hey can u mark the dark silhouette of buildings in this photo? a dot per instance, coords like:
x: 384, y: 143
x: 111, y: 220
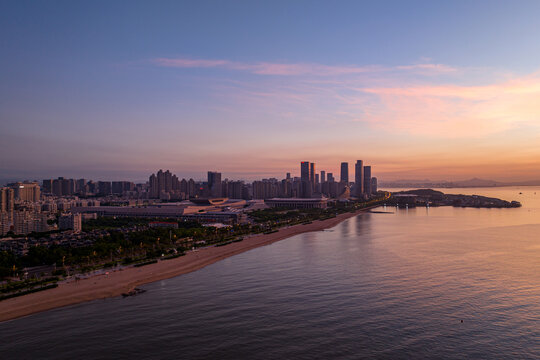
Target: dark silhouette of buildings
x: 214, y: 184
x: 367, y: 180
x: 344, y: 173
x: 359, y: 178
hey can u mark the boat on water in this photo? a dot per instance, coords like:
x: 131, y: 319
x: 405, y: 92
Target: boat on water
x: 134, y: 292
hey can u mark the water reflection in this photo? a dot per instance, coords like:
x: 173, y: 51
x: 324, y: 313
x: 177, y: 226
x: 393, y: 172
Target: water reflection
x: 377, y: 286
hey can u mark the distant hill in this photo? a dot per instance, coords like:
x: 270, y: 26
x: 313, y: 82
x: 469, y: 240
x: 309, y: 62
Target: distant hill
x: 524, y: 183
x: 475, y: 182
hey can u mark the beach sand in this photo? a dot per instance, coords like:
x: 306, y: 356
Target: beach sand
x: 121, y: 281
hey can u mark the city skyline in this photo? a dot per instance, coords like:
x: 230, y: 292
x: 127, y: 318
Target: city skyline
x: 450, y: 94
x: 270, y: 179
x: 200, y: 176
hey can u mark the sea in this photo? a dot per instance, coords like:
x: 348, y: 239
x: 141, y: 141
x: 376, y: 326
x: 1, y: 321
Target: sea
x: 438, y: 283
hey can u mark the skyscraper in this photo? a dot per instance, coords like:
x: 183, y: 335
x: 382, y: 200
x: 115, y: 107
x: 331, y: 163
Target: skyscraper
x: 304, y: 171
x: 214, y: 183
x: 306, y: 184
x: 323, y: 176
x: 367, y: 180
x: 153, y: 187
x: 373, y: 185
x: 359, y: 178
x: 191, y: 187
x: 345, y: 172
x: 312, y: 173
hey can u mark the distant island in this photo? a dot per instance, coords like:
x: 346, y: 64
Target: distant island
x: 475, y: 182
x: 429, y: 197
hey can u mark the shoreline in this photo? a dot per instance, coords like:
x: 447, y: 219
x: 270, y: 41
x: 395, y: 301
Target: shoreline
x: 126, y: 279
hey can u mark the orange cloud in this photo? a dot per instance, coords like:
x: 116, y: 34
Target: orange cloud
x: 456, y: 111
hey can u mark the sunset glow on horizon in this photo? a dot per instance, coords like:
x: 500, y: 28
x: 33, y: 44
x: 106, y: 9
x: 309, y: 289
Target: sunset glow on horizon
x: 201, y: 86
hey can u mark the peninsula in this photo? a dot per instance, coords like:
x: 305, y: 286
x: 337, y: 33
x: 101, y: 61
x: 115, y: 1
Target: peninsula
x: 429, y: 197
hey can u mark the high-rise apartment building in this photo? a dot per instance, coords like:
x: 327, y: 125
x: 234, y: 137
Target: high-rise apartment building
x: 162, y: 183
x: 61, y: 186
x: 266, y: 189
x: 7, y: 201
x: 5, y: 223
x: 119, y: 187
x: 192, y: 187
x: 105, y: 187
x: 27, y: 191
x: 47, y: 186
x: 80, y: 186
x: 345, y: 172
x: 23, y: 222
x: 68, y: 186
x: 70, y: 222
x: 57, y: 186
x: 359, y: 178
x: 236, y: 189
x: 153, y: 189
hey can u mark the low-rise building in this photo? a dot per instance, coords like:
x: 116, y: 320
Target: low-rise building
x: 163, y: 224
x: 298, y: 203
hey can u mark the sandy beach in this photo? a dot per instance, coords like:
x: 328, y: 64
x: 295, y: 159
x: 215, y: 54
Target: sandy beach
x: 124, y: 280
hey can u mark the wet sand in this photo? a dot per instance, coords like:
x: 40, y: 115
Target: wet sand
x: 121, y: 281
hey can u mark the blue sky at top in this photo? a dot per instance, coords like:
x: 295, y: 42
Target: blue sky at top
x: 81, y: 91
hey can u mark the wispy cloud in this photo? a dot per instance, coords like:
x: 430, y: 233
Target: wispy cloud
x: 423, y: 99
x: 294, y: 69
x: 441, y: 68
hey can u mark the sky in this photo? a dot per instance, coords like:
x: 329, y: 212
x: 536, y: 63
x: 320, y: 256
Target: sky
x: 441, y: 90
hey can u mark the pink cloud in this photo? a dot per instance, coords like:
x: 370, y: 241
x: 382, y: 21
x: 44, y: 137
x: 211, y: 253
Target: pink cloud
x: 441, y: 68
x: 456, y: 111
x: 397, y: 99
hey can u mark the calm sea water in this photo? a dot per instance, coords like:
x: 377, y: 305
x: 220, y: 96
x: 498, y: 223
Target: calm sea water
x: 376, y: 286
